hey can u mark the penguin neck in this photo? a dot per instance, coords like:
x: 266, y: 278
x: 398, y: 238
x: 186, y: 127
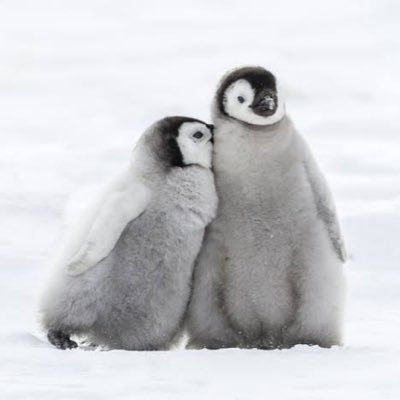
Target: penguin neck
x: 259, y: 138
x: 244, y: 152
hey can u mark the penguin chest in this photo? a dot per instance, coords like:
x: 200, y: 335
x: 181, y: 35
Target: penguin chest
x: 260, y: 225
x: 152, y: 266
x: 256, y: 276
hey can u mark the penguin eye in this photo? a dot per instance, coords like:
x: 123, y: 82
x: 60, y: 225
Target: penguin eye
x: 198, y: 135
x: 241, y: 99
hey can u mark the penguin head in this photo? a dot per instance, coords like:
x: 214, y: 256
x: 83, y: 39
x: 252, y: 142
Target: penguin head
x: 250, y: 95
x: 182, y: 141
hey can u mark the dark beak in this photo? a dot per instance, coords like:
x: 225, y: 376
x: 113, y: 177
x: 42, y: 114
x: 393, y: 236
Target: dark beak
x: 211, y: 128
x: 265, y: 103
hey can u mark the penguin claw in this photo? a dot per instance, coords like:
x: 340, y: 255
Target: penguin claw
x: 61, y: 340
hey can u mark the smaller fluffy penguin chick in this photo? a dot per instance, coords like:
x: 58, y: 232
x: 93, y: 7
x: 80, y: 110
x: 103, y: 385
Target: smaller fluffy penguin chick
x: 270, y: 271
x: 125, y: 276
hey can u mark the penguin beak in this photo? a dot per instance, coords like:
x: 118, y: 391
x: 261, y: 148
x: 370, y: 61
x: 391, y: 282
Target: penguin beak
x: 265, y: 103
x: 211, y: 128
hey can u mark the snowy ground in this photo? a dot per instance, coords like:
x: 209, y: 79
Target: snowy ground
x: 81, y: 79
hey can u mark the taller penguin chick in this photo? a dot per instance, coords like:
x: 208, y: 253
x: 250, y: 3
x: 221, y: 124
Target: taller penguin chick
x: 270, y: 271
x: 125, y: 282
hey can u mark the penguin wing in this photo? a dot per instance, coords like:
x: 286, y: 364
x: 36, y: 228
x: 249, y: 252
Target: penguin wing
x: 123, y: 200
x: 325, y: 206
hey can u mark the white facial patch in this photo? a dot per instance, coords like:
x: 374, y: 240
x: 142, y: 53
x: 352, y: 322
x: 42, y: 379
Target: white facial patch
x: 194, y: 143
x: 238, y: 98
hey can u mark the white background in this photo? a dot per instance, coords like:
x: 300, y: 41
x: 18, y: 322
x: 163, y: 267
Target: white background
x: 79, y: 82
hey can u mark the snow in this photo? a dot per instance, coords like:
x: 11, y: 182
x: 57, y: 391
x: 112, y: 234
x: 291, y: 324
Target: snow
x: 80, y: 80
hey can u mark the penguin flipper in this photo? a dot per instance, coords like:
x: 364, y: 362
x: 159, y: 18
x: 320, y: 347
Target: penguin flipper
x: 123, y: 202
x: 325, y: 206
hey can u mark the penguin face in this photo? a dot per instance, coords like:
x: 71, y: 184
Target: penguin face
x: 251, y: 95
x: 185, y: 141
x: 195, y: 143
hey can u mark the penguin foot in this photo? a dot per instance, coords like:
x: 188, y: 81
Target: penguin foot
x: 60, y: 340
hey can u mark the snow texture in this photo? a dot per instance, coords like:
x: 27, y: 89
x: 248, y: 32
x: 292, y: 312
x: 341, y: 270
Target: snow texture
x: 79, y: 82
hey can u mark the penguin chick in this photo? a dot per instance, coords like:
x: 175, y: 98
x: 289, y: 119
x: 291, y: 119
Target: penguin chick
x: 125, y: 282
x: 269, y: 273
